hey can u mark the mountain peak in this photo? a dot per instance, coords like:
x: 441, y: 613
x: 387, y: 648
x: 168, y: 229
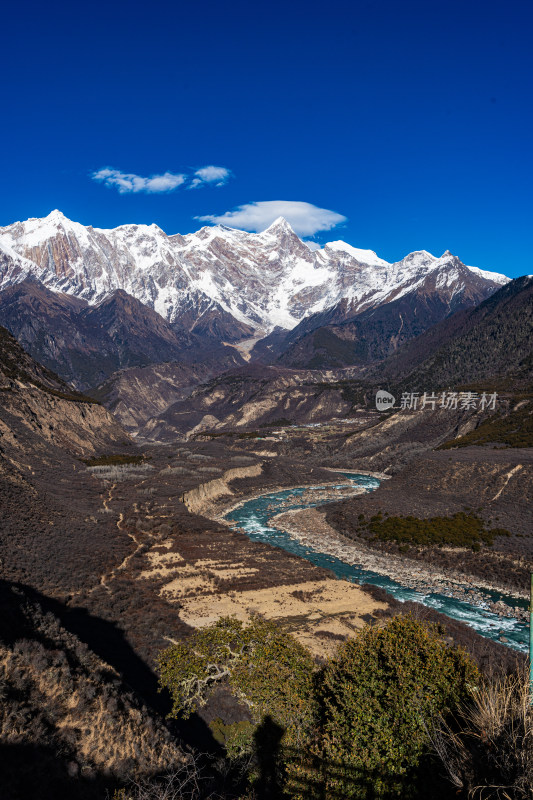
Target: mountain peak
x: 279, y: 225
x: 418, y: 258
x: 56, y: 216
x: 363, y: 256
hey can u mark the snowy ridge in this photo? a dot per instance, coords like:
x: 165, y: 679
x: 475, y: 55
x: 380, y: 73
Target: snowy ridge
x: 263, y: 279
x: 364, y: 256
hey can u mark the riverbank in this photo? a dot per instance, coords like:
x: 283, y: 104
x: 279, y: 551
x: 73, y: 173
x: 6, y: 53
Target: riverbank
x: 492, y: 610
x: 309, y: 527
x: 225, y: 508
x: 313, y: 531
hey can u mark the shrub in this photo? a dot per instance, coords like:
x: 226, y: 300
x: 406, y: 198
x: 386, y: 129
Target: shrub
x: 120, y: 472
x: 266, y: 669
x: 356, y: 728
x: 375, y: 698
x: 264, y: 666
x: 190, y: 781
x: 459, y: 530
x: 178, y: 470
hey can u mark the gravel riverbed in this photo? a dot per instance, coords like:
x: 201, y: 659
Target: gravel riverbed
x: 309, y: 527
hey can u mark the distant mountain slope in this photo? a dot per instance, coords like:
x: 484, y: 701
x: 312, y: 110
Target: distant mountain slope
x: 87, y: 344
x: 136, y: 394
x: 18, y: 369
x: 220, y: 280
x: 337, y: 338
x: 490, y: 344
x: 252, y: 396
x: 493, y: 340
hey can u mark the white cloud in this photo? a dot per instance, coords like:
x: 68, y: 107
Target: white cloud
x: 211, y: 174
x: 127, y: 182
x: 305, y: 218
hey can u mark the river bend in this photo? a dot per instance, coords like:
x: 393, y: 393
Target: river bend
x: 253, y: 518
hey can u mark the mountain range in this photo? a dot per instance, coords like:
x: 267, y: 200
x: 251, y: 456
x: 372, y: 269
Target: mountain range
x: 86, y: 344
x: 486, y: 343
x: 87, y: 301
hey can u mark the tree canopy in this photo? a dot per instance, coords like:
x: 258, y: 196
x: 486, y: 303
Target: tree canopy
x: 355, y: 727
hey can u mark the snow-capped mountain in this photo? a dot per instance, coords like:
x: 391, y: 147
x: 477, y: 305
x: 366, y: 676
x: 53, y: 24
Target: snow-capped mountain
x: 259, y: 280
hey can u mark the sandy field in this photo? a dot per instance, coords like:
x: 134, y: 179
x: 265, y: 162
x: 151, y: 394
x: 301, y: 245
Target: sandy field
x: 319, y: 613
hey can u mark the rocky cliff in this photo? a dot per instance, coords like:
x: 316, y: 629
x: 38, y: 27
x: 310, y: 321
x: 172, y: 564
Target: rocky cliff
x: 201, y: 499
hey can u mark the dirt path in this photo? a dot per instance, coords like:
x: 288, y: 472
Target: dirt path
x: 108, y: 576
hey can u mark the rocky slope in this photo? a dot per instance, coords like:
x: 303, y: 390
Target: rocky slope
x: 135, y: 395
x: 338, y: 338
x: 39, y: 412
x: 251, y: 397
x: 202, y: 499
x: 491, y: 341
x: 86, y: 344
x: 69, y: 727
x: 49, y: 531
x: 489, y: 344
x: 221, y: 278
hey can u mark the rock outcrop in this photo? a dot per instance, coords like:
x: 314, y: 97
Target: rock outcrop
x: 201, y: 499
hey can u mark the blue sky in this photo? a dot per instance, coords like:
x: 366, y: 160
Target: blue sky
x: 409, y: 122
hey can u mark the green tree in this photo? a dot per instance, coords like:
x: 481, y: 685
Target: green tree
x: 376, y: 698
x: 355, y: 728
x: 266, y: 668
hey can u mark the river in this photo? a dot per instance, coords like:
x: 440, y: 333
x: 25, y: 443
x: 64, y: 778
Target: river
x: 253, y: 518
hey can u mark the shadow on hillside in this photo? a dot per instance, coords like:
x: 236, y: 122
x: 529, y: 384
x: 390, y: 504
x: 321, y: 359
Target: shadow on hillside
x: 31, y: 772
x: 108, y: 642
x: 39, y: 770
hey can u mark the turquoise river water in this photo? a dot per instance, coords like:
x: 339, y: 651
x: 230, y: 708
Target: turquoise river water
x: 252, y: 517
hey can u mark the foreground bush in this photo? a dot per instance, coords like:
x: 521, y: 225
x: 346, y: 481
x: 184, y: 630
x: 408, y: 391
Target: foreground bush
x: 489, y: 751
x: 356, y: 728
x: 376, y: 698
x: 266, y: 669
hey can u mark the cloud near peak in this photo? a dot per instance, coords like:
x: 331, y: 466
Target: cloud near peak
x: 130, y: 183
x: 304, y: 218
